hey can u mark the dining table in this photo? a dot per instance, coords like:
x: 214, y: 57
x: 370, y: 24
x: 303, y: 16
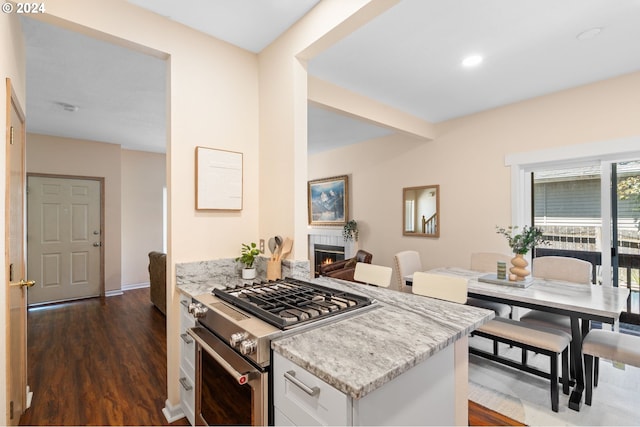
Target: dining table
x: 582, y: 303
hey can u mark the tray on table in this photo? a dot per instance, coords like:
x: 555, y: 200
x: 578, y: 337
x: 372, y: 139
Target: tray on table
x: 493, y: 278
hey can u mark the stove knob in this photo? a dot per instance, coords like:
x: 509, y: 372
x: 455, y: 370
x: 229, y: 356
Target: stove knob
x: 197, y: 310
x: 237, y: 338
x: 248, y: 346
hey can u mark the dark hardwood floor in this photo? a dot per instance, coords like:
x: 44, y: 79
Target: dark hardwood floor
x: 97, y: 362
x: 103, y: 362
x: 481, y: 416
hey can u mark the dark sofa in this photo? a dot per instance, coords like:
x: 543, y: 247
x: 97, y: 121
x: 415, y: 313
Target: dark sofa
x: 158, y: 280
x: 345, y: 269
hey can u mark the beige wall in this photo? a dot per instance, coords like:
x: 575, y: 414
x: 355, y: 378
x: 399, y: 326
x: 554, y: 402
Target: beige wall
x: 467, y: 160
x: 143, y: 182
x: 12, y: 65
x: 72, y: 157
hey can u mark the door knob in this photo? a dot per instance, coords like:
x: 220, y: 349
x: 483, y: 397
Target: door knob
x: 27, y: 283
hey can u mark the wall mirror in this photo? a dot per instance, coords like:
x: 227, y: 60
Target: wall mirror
x: 421, y: 211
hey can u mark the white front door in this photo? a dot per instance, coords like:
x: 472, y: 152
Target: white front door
x: 64, y: 238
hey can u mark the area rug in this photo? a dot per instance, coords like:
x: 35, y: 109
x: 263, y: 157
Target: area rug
x: 526, y: 398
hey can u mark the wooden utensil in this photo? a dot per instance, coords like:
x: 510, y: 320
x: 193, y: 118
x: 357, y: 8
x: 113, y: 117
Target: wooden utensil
x: 286, y: 248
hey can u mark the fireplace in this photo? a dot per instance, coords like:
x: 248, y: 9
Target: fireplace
x: 326, y: 254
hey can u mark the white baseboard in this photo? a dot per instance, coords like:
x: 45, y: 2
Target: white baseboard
x: 135, y: 286
x: 114, y: 293
x: 125, y: 288
x: 172, y: 412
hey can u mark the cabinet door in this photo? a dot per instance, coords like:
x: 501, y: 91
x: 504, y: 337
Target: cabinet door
x: 324, y: 406
x: 187, y: 396
x: 280, y: 419
x: 187, y: 361
x: 187, y: 344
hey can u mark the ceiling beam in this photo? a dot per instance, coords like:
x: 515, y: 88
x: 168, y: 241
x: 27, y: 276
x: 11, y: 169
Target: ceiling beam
x: 328, y: 95
x: 358, y: 14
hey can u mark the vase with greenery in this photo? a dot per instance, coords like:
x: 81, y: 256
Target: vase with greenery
x: 248, y: 254
x: 350, y: 230
x: 521, y: 243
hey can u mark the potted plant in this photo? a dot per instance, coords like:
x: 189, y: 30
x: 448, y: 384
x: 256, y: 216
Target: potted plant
x: 247, y: 256
x: 521, y: 243
x: 350, y: 230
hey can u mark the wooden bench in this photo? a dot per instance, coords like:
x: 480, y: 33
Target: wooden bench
x: 609, y: 345
x: 549, y: 342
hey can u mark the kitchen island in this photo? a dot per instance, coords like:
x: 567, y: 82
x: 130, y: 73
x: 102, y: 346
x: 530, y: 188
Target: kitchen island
x: 402, y: 361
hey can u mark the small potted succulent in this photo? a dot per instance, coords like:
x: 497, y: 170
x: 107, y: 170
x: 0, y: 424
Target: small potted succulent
x: 247, y: 256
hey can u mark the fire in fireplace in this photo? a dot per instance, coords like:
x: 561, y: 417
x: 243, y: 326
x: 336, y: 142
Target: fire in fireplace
x: 326, y: 254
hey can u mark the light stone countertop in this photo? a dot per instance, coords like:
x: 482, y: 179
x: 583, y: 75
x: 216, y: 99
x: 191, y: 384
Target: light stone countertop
x: 359, y: 354
x: 365, y: 350
x: 200, y: 277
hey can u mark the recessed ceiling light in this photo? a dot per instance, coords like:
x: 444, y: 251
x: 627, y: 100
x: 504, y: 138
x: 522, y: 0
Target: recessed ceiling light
x: 589, y: 34
x: 472, y: 61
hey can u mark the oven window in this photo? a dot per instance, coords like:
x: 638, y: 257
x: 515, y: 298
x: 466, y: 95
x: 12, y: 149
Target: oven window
x: 223, y: 400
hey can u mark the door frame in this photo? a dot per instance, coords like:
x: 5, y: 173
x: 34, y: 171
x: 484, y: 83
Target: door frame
x: 102, y: 221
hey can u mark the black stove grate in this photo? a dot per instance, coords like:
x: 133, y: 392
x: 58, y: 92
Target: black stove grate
x: 291, y: 302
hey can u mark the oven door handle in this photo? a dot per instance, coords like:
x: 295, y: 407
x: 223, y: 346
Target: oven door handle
x: 242, y: 379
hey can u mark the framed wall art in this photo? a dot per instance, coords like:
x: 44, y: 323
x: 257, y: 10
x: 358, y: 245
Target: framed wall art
x: 328, y: 200
x: 218, y: 179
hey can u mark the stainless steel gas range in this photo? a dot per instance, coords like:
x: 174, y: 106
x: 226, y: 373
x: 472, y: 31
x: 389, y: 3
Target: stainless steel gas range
x: 233, y: 332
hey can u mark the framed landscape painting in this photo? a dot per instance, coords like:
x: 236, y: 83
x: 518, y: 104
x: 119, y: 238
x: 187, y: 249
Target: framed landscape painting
x: 328, y: 201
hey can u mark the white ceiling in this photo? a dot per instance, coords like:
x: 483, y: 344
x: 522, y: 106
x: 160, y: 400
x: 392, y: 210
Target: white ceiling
x: 119, y: 93
x: 408, y: 58
x: 250, y: 24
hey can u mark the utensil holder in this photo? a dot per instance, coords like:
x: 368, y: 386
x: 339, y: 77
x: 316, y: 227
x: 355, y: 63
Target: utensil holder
x: 274, y: 269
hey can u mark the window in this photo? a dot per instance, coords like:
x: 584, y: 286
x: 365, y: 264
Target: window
x: 587, y: 200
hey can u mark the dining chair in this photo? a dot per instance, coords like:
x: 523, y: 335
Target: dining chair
x: 439, y: 286
x: 610, y: 345
x: 373, y: 274
x: 487, y: 262
x: 406, y: 262
x: 562, y: 268
x: 557, y: 268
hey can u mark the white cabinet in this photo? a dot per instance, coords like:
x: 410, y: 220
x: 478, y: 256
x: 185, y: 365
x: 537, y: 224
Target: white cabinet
x: 301, y: 398
x: 187, y: 361
x: 423, y: 395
